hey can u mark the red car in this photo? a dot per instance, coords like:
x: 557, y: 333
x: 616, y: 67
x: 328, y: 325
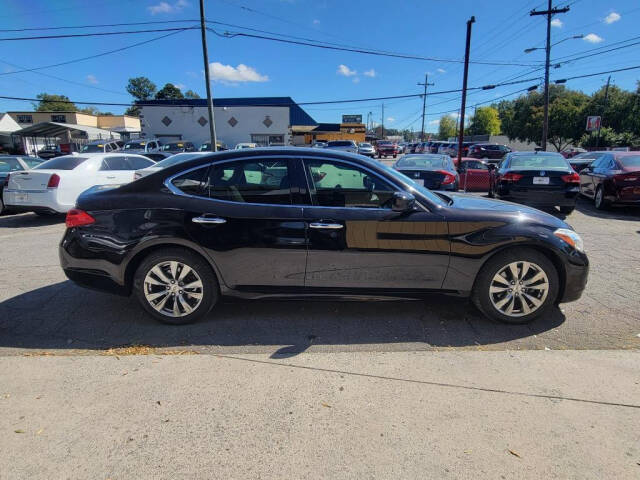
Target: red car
x: 613, y: 178
x: 387, y: 149
x: 474, y: 175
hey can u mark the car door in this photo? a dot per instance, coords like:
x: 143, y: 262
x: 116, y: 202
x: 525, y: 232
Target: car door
x: 596, y: 174
x: 242, y: 213
x: 357, y: 243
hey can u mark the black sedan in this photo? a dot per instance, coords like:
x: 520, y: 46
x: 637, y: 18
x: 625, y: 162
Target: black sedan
x: 433, y: 171
x: 539, y: 179
x: 289, y: 222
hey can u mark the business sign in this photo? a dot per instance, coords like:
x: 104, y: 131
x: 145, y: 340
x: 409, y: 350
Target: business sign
x: 593, y: 123
x: 351, y: 118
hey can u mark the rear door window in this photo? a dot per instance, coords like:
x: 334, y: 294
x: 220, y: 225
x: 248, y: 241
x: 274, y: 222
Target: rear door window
x: 137, y: 163
x: 191, y: 182
x: 251, y: 181
x: 115, y: 163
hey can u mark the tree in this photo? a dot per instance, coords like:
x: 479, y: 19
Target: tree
x: 169, y: 92
x: 141, y: 88
x: 191, y: 94
x: 485, y: 121
x: 447, y: 128
x: 54, y: 103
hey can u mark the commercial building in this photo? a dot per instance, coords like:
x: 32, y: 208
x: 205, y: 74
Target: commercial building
x: 261, y: 120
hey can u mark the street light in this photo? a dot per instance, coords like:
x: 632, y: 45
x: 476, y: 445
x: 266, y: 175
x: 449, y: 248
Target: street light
x: 529, y: 50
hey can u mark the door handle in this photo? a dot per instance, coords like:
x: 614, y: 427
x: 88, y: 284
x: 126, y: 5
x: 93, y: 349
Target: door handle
x: 328, y: 226
x: 209, y: 220
x: 111, y: 176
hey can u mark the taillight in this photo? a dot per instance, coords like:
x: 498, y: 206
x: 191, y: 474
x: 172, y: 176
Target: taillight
x: 5, y: 183
x: 624, y: 177
x: 54, y: 181
x: 448, y: 178
x: 571, y: 178
x: 511, y: 177
x: 78, y: 218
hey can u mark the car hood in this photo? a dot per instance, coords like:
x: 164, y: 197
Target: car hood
x: 499, y: 209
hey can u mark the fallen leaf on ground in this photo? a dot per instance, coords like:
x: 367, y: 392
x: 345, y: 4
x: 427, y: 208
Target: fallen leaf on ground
x: 19, y: 431
x: 40, y: 431
x: 326, y: 405
x: 515, y: 454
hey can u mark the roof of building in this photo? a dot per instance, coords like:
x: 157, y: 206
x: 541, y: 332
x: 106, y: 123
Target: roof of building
x: 327, y: 127
x: 297, y: 116
x: 56, y: 129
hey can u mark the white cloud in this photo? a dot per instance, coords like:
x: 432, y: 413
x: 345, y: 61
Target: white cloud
x: 179, y: 85
x: 433, y: 122
x: 345, y: 71
x: 391, y: 119
x: 593, y: 38
x: 556, y: 22
x: 356, y: 80
x: 369, y: 73
x: 165, y: 7
x: 92, y: 79
x: 316, y: 21
x: 441, y: 70
x: 612, y: 18
x: 230, y: 74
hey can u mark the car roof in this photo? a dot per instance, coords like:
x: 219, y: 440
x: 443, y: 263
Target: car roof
x: 529, y: 153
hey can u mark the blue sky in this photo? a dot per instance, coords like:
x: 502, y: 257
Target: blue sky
x: 252, y: 67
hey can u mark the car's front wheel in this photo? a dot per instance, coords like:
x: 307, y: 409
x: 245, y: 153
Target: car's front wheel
x: 176, y: 286
x: 516, y: 286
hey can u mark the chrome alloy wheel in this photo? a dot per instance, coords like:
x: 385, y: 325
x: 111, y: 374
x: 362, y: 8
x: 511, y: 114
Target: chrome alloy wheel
x: 173, y: 288
x: 519, y: 288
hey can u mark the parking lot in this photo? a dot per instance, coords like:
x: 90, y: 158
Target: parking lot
x: 40, y: 310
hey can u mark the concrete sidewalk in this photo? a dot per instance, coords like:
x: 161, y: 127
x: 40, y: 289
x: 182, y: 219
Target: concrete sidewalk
x: 534, y: 414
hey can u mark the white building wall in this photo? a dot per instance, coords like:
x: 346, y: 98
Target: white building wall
x: 185, y: 123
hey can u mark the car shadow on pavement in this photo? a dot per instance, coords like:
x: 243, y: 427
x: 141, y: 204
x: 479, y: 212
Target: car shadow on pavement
x: 615, y: 212
x: 64, y: 316
x: 29, y: 220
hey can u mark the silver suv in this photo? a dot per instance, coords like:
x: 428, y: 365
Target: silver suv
x: 343, y: 145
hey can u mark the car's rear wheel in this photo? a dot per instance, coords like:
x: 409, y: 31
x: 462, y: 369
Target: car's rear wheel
x: 176, y: 286
x: 2, y: 209
x: 516, y: 286
x: 567, y: 210
x: 599, y: 200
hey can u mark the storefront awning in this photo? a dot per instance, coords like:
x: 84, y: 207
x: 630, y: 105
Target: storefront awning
x: 59, y: 130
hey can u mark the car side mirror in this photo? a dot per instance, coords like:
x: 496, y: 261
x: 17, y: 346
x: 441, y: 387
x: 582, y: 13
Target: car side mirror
x: 403, y: 202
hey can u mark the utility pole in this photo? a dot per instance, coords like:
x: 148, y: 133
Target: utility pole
x: 205, y: 55
x: 549, y: 12
x: 382, y: 133
x: 606, y: 96
x: 424, y: 103
x: 470, y: 22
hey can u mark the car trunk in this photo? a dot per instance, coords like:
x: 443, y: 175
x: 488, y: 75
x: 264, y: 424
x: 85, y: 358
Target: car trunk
x: 628, y: 183
x: 540, y: 180
x: 431, y: 179
x: 34, y: 180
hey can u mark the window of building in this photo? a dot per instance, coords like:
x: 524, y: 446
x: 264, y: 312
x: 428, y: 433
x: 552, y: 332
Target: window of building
x: 25, y: 118
x: 59, y: 118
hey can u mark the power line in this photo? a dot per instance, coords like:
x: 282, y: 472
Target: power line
x: 363, y: 51
x: 71, y: 27
x: 96, y: 55
x: 95, y: 34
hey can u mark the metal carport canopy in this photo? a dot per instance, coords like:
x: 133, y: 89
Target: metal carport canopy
x: 55, y: 129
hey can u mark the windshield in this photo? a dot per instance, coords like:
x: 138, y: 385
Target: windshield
x: 174, y: 146
x: 365, y: 145
x: 96, y: 147
x: 9, y: 165
x: 384, y: 143
x: 630, y: 161
x: 538, y: 162
x: 340, y: 144
x: 135, y: 146
x: 62, y: 163
x: 419, y: 188
x: 424, y: 161
x: 32, y: 162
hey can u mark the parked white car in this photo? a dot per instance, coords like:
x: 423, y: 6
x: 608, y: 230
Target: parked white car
x: 54, y: 186
x: 167, y: 162
x: 142, y: 145
x: 242, y: 146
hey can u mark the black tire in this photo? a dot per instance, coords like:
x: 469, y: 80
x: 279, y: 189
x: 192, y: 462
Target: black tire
x: 45, y: 214
x: 567, y: 210
x: 2, y: 209
x: 481, y: 296
x: 598, y: 199
x: 210, y: 290
x: 491, y: 193
x: 394, y: 156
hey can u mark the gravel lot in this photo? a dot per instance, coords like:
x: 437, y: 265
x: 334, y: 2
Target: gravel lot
x: 40, y: 310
